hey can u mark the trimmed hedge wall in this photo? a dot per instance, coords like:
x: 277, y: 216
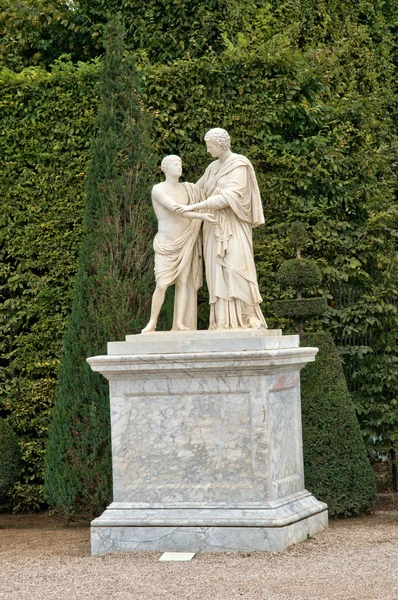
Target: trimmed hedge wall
x: 337, y: 470
x: 10, y: 458
x: 47, y: 124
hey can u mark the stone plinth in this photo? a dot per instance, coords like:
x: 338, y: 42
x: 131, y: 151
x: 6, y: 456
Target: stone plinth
x: 206, y: 443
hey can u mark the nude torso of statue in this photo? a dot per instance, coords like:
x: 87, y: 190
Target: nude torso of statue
x: 170, y: 225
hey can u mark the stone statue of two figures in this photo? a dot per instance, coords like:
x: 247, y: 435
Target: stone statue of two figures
x: 226, y: 199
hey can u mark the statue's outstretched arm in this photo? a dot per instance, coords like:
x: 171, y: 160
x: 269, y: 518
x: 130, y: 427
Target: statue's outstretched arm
x: 167, y: 202
x: 213, y: 202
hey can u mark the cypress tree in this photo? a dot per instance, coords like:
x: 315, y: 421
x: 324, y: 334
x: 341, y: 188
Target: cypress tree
x: 337, y: 470
x: 110, y: 293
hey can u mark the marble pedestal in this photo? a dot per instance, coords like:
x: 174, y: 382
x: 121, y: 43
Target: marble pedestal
x: 206, y: 442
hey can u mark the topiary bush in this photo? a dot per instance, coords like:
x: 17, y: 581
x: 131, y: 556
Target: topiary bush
x: 299, y: 273
x: 302, y: 275
x: 337, y: 470
x: 300, y: 309
x: 10, y: 458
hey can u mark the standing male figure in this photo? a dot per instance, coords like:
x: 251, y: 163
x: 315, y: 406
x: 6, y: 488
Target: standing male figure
x: 177, y: 246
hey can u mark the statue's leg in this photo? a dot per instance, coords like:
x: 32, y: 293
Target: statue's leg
x: 157, y: 303
x: 181, y: 298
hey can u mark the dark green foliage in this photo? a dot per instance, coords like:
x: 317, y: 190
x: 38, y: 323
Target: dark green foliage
x: 337, y: 470
x: 37, y: 32
x: 299, y: 273
x: 47, y: 122
x: 111, y: 294
x: 299, y: 309
x: 298, y: 235
x: 10, y: 458
x: 166, y: 30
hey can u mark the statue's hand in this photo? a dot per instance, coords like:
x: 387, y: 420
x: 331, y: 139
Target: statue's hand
x: 180, y: 209
x: 210, y: 218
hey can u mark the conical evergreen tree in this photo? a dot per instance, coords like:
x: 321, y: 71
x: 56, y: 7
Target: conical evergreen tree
x: 336, y: 467
x: 111, y: 291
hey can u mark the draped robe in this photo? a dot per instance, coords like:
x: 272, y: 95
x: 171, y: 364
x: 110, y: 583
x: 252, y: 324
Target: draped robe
x: 228, y: 249
x: 172, y: 256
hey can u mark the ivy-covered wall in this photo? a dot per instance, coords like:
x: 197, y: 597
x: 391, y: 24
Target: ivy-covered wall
x: 317, y: 119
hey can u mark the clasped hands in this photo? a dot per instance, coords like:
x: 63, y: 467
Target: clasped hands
x: 180, y: 209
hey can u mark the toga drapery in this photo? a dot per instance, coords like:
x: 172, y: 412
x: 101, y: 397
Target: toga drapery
x: 228, y: 249
x: 173, y: 256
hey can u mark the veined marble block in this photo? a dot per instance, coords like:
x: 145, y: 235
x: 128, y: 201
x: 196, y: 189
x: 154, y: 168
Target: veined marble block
x: 206, y: 443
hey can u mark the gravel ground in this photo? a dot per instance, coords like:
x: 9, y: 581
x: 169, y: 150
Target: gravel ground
x: 355, y: 559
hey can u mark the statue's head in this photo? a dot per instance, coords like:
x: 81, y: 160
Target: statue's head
x: 218, y: 137
x: 171, y: 163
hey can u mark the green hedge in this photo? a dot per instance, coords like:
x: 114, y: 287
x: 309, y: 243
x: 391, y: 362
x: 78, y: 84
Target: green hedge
x: 10, y: 458
x: 47, y: 124
x: 337, y: 470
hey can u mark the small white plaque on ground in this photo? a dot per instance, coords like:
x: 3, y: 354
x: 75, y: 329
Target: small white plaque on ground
x: 177, y: 556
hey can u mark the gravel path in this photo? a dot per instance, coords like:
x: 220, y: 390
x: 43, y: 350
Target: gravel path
x: 355, y: 559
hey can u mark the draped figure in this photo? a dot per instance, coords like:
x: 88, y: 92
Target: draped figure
x: 173, y: 256
x: 177, y: 245
x: 234, y: 198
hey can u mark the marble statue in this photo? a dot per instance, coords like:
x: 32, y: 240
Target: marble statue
x: 207, y: 452
x: 177, y: 245
x: 230, y: 186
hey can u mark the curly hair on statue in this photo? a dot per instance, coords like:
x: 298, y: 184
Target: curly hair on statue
x: 219, y: 137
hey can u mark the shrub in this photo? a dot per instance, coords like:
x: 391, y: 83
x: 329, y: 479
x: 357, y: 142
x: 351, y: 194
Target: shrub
x: 37, y: 32
x: 301, y: 275
x: 10, y: 458
x: 299, y: 309
x: 166, y: 30
x: 337, y: 470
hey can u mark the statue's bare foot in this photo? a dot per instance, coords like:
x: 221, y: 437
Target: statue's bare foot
x: 181, y: 327
x: 150, y: 327
x: 255, y: 323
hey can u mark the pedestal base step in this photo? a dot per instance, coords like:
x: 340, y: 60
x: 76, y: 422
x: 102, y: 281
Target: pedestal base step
x: 106, y: 540
x: 124, y: 528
